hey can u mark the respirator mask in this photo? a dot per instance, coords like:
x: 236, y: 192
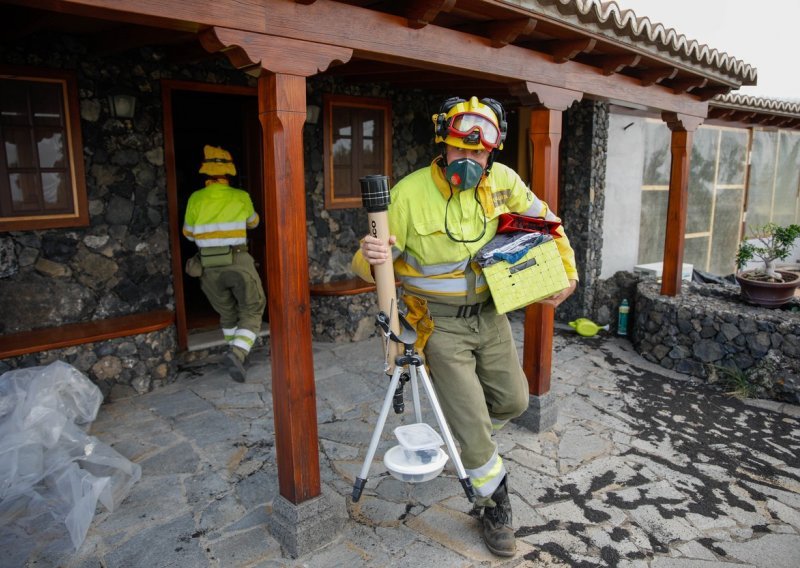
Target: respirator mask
x: 463, y: 173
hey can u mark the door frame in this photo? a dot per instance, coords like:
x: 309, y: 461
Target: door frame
x: 168, y: 86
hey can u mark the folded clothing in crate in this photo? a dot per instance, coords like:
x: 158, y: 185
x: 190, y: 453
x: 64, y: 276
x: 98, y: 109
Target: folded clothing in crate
x: 522, y: 268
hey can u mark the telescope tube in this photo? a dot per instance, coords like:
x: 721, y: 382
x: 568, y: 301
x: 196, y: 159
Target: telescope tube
x: 375, y: 199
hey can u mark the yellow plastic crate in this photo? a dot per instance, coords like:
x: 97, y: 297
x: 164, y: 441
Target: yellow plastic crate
x: 537, y: 275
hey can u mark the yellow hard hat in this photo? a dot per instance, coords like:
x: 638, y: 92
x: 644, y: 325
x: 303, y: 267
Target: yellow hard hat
x: 217, y: 162
x: 473, y: 124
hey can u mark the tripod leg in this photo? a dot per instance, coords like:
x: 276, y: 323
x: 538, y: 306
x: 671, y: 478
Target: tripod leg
x: 361, y: 480
x: 412, y: 371
x: 448, y: 437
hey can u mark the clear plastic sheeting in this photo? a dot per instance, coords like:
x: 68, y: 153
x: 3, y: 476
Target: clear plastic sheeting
x: 52, y: 472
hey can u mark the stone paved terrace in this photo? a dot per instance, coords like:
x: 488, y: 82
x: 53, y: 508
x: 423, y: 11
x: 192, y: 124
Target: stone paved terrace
x: 643, y: 469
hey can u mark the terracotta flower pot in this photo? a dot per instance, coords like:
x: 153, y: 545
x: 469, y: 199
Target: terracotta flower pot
x: 768, y: 294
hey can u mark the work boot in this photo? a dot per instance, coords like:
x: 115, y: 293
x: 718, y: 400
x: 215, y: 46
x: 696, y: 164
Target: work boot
x: 496, y: 520
x: 235, y: 366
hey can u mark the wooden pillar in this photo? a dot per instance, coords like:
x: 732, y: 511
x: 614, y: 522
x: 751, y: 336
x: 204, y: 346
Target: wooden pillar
x: 545, y: 135
x: 282, y: 112
x: 682, y: 127
x: 548, y: 104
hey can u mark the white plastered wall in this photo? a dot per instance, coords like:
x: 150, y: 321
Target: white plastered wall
x: 623, y: 198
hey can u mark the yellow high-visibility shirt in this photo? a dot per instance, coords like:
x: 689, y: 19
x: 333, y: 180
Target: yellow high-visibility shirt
x: 428, y: 262
x: 219, y: 215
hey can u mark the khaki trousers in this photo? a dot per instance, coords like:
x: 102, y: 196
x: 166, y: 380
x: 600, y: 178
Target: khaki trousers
x: 478, y: 379
x: 235, y: 293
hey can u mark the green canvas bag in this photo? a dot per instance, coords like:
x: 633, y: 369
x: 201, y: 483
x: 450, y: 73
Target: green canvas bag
x: 211, y: 257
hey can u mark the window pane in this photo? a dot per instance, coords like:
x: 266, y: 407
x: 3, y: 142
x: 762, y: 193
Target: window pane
x: 762, y: 173
x: 702, y: 167
x: 652, y: 226
x: 368, y: 127
x: 727, y: 223
x: 13, y: 102
x: 342, y: 152
x: 46, y: 103
x: 19, y: 149
x: 787, y: 179
x: 55, y: 191
x: 656, y: 154
x: 732, y: 157
x: 695, y: 252
x: 50, y: 144
x: 24, y: 192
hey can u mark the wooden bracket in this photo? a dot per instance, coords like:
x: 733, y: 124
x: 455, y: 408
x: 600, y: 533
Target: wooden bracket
x: 615, y: 63
x: 538, y: 95
x: 680, y: 86
x: 677, y: 122
x: 656, y: 75
x: 420, y: 13
x: 504, y: 32
x: 246, y: 50
x: 707, y: 93
x: 563, y: 51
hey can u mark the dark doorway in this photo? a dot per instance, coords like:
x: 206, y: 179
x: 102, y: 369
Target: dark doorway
x: 229, y: 121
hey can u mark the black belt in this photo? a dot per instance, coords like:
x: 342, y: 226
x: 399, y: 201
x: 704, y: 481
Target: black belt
x: 445, y: 310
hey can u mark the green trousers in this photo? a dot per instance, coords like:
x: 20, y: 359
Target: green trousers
x: 236, y: 294
x: 480, y: 385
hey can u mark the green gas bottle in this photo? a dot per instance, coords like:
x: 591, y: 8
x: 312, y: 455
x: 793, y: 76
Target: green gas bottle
x: 622, y: 319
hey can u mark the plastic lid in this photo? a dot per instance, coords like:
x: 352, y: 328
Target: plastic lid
x: 418, y: 436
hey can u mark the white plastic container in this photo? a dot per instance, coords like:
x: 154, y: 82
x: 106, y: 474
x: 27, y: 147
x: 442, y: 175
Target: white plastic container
x: 419, y: 457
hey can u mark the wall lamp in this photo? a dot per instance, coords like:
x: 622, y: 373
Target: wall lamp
x: 122, y: 105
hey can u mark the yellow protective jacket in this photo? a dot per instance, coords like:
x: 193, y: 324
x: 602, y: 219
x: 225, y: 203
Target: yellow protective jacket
x: 430, y: 264
x: 219, y: 215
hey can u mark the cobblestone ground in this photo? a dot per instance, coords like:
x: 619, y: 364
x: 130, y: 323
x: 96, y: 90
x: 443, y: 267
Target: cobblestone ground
x: 643, y: 469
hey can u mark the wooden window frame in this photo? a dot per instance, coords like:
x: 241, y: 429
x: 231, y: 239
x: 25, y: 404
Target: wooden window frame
x: 330, y: 102
x: 79, y: 217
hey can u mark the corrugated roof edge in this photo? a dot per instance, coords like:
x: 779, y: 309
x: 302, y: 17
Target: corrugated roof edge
x: 757, y: 103
x: 625, y: 22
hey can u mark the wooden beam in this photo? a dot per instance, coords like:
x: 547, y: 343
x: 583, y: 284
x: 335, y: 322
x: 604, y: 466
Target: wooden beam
x: 352, y: 27
x: 545, y: 135
x: 720, y: 113
x: 680, y: 86
x: 125, y: 38
x: 611, y: 64
x: 504, y: 32
x: 422, y: 12
x: 563, y: 51
x: 282, y: 113
x: 656, y: 75
x: 682, y: 128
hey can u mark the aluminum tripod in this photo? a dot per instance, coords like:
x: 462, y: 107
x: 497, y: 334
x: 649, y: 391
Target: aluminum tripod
x: 409, y: 366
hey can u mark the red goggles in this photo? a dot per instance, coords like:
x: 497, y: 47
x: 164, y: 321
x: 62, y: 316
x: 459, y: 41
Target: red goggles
x: 469, y: 124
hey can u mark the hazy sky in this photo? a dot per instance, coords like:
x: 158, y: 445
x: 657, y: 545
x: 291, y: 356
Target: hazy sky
x: 759, y: 32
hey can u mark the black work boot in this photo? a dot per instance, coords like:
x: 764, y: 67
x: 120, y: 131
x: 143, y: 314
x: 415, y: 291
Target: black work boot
x: 497, y: 532
x: 234, y: 366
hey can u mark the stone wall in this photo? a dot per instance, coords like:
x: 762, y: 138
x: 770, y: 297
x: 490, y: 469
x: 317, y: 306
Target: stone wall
x: 582, y: 198
x: 707, y: 329
x: 120, y: 263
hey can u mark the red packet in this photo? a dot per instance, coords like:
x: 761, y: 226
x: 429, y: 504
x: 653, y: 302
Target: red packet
x: 510, y: 222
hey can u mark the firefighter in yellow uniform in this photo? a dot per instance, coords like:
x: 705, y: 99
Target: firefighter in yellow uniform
x: 439, y: 218
x: 217, y: 219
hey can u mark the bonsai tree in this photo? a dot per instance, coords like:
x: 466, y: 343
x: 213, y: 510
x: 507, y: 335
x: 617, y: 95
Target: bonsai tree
x: 775, y: 244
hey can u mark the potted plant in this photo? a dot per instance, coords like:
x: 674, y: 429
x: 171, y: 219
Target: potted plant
x: 766, y: 286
